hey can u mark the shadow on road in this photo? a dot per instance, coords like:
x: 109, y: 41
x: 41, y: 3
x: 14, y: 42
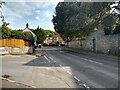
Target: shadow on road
x: 64, y: 73
x: 41, y: 62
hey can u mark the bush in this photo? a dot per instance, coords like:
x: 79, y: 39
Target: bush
x: 17, y: 34
x: 29, y: 37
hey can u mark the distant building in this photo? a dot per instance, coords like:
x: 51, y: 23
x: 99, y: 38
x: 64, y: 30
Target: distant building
x: 54, y: 40
x: 28, y: 30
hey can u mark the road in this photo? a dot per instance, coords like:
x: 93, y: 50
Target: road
x: 53, y: 67
x: 94, y: 71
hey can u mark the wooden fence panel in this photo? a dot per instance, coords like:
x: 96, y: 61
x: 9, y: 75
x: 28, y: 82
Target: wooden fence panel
x: 14, y: 43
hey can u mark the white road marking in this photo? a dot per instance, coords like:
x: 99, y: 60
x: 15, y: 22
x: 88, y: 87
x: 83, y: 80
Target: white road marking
x: 52, y: 59
x: 85, y: 86
x: 76, y: 78
x: 91, y: 61
x: 60, y: 65
x: 47, y: 59
x: 62, y: 51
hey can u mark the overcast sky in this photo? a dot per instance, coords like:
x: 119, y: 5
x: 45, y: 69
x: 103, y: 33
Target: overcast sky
x: 35, y: 13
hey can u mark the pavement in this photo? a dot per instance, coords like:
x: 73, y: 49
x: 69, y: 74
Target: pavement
x: 87, y: 52
x: 30, y: 71
x: 8, y: 84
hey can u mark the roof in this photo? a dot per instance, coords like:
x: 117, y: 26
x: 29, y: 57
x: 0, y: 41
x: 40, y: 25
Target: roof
x: 27, y: 29
x: 55, y: 36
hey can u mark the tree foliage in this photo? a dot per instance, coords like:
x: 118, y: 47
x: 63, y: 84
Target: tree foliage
x: 108, y: 24
x: 5, y: 31
x: 28, y: 36
x: 78, y: 19
x: 49, y: 32
x: 41, y: 36
x: 117, y: 29
x: 17, y: 34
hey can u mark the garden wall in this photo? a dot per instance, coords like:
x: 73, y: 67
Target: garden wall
x: 15, y: 46
x: 107, y: 44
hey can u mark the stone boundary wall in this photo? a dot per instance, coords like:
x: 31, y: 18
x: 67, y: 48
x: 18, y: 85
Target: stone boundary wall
x: 16, y: 50
x: 107, y: 44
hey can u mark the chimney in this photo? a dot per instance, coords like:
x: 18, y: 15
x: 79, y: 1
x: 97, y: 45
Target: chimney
x: 27, y: 25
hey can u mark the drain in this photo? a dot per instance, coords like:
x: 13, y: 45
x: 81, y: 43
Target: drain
x: 6, y: 76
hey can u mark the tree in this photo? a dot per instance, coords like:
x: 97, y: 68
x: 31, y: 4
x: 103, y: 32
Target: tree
x: 28, y: 36
x: 78, y: 19
x: 41, y: 36
x: 49, y: 32
x: 61, y: 19
x: 5, y: 31
x: 17, y: 34
x: 117, y: 29
x: 108, y: 24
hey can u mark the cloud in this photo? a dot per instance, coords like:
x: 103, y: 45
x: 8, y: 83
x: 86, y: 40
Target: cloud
x: 37, y: 17
x: 29, y: 12
x: 33, y: 0
x: 37, y: 11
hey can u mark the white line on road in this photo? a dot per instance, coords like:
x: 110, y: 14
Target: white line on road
x: 60, y: 65
x: 76, y: 78
x: 52, y: 59
x: 62, y: 51
x: 85, y: 86
x: 47, y: 59
x: 91, y: 61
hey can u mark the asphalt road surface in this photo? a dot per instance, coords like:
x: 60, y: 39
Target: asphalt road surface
x: 95, y: 71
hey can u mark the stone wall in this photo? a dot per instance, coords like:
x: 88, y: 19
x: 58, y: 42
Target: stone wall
x: 104, y: 43
x: 16, y: 50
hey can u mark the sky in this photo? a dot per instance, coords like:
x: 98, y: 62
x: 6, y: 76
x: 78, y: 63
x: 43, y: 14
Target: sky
x: 34, y: 12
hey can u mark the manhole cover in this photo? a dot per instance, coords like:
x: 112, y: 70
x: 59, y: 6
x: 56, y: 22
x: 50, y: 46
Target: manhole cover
x: 6, y: 76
